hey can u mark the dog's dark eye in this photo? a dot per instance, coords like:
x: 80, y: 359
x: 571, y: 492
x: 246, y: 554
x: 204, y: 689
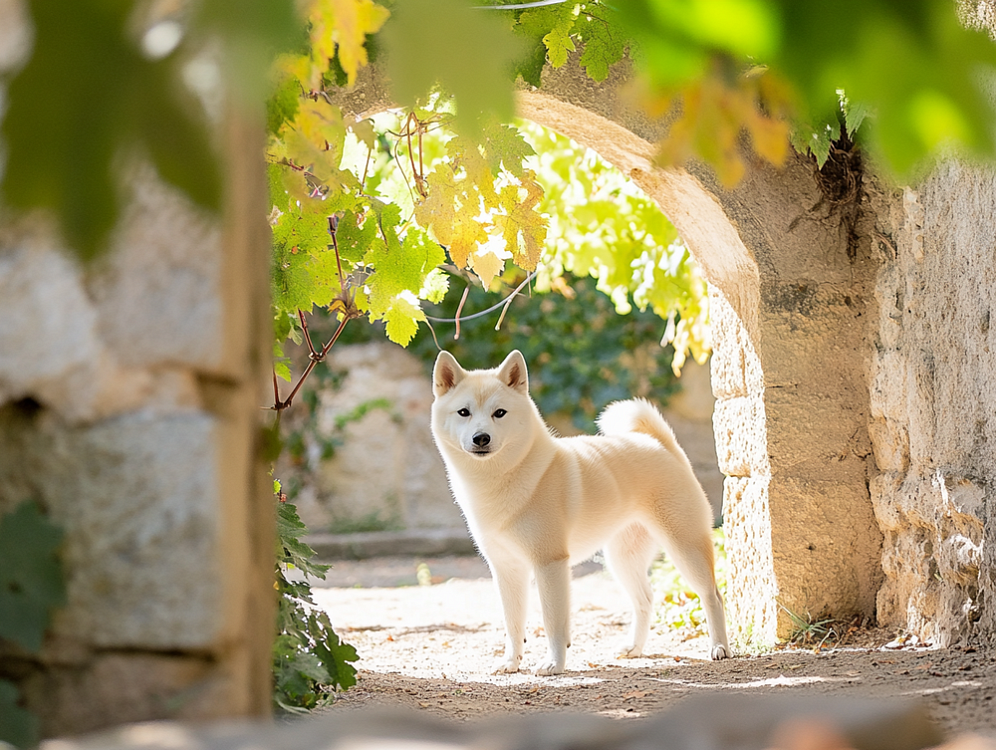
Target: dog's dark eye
x: 464, y: 412
x: 499, y: 414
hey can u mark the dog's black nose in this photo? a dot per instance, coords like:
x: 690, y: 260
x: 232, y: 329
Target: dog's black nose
x: 482, y: 439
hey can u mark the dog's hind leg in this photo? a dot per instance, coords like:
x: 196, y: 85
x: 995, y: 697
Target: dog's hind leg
x: 511, y: 577
x: 628, y: 555
x: 693, y: 557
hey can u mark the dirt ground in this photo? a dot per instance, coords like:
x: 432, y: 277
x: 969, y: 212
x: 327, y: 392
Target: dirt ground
x: 431, y: 647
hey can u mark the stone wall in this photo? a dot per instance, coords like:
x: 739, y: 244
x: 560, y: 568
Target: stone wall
x: 129, y: 410
x: 933, y: 398
x: 386, y: 473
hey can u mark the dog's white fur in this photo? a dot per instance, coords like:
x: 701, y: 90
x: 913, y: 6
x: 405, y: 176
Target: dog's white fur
x: 535, y: 502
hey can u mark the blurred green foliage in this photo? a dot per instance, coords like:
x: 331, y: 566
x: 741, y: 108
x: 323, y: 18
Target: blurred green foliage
x: 32, y: 585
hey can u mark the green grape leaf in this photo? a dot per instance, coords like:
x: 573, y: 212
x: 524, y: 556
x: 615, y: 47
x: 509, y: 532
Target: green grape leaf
x: 306, y: 231
x: 604, y: 43
x: 334, y: 653
x: 290, y: 549
x: 558, y: 40
x: 31, y: 577
x: 355, y: 234
x: 402, y: 318
x: 282, y: 104
x: 505, y: 147
x: 816, y: 141
x: 292, y: 285
x: 530, y: 65
x: 855, y: 113
x: 400, y: 267
x: 282, y: 369
x: 435, y: 286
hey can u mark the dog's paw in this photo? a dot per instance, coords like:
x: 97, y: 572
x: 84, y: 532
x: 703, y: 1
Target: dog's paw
x: 506, y: 666
x: 720, y: 651
x: 629, y: 651
x: 549, y: 667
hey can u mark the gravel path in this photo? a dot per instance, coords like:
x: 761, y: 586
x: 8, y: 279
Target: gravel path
x: 431, y: 647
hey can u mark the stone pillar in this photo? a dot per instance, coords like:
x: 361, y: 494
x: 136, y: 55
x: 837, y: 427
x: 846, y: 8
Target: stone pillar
x: 790, y: 376
x: 129, y: 410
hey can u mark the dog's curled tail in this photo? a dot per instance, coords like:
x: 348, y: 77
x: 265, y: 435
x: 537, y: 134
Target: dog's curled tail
x: 638, y: 415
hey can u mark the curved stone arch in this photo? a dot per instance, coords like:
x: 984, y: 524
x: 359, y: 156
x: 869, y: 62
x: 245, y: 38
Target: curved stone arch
x: 790, y: 284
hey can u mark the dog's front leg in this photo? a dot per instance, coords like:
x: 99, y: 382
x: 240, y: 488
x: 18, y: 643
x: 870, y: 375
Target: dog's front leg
x: 512, y: 579
x: 554, y: 582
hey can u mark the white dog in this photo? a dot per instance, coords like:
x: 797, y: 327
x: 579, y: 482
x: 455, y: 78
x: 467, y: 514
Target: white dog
x: 535, y: 502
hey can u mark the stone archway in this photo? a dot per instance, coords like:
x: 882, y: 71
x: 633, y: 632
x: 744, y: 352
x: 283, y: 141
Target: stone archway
x: 791, y: 283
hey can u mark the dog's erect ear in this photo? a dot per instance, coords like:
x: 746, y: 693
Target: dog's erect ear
x: 446, y: 374
x: 513, y: 372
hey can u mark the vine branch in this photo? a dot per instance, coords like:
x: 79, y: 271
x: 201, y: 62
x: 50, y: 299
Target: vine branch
x: 347, y: 313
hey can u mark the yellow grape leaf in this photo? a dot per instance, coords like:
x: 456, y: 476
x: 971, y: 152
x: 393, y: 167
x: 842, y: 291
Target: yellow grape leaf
x: 714, y: 113
x: 523, y: 221
x: 465, y: 153
x: 364, y: 132
x: 300, y: 149
x: 768, y: 124
x: 467, y: 232
x: 354, y: 19
x: 341, y: 26
x: 324, y: 165
x: 769, y: 137
x: 320, y: 123
x: 293, y: 66
x: 487, y: 265
x: 295, y: 184
x: 436, y: 213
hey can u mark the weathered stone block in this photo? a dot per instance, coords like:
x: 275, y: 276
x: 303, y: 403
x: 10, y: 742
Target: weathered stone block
x: 50, y: 349
x: 889, y: 386
x: 740, y: 427
x: 751, y: 600
x: 933, y: 557
x: 136, y: 496
x: 891, y: 444
x: 736, y: 370
x: 158, y: 293
x: 123, y: 688
x: 826, y: 548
